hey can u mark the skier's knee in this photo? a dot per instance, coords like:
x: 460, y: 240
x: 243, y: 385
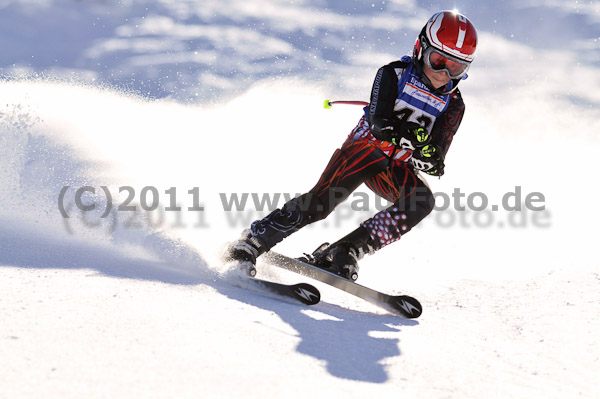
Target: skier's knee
x: 426, y: 201
x: 416, y: 207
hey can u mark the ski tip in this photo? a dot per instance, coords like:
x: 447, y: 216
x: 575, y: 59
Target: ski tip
x: 327, y: 104
x: 407, y: 306
x: 307, y: 294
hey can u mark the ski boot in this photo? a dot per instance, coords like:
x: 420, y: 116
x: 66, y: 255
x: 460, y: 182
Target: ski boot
x: 342, y: 257
x: 264, y: 234
x: 245, y: 250
x: 339, y: 258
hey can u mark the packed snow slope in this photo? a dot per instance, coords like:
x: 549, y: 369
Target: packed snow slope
x: 180, y: 122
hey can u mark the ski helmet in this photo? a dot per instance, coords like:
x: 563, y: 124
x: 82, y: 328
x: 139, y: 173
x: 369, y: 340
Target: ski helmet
x: 447, y: 43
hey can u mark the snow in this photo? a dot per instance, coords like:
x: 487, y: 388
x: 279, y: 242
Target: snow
x: 188, y: 94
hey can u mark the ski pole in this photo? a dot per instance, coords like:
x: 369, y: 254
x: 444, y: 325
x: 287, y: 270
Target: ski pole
x: 328, y: 104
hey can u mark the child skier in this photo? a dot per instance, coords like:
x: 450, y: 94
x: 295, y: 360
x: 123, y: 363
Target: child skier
x: 414, y: 111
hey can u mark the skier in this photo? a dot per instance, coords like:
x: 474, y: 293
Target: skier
x: 414, y: 111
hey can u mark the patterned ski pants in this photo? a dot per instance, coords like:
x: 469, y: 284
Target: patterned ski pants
x: 357, y: 161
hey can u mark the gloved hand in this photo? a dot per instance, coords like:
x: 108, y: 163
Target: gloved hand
x: 407, y: 135
x: 429, y: 159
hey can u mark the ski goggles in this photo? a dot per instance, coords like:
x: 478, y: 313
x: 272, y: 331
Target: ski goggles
x: 439, y: 61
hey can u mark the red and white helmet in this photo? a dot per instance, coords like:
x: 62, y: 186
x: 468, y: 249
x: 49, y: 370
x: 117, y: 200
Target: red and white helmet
x: 447, y: 42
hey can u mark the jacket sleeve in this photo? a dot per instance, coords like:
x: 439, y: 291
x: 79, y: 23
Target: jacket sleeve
x: 383, y: 99
x: 446, y: 125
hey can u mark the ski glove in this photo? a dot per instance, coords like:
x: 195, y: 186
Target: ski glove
x: 429, y: 159
x: 406, y: 135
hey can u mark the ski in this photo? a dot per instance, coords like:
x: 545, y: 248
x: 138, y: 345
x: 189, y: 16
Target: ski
x: 305, y: 293
x: 402, y: 305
